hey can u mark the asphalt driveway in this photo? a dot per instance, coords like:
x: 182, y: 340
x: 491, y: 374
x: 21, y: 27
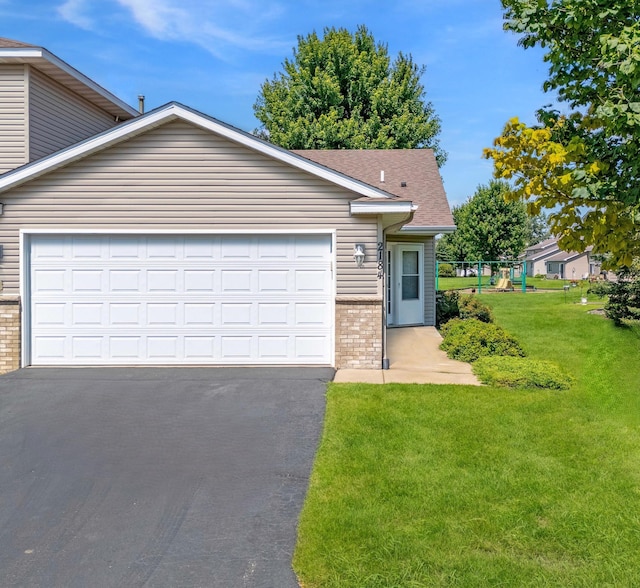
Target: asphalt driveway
x: 156, y: 477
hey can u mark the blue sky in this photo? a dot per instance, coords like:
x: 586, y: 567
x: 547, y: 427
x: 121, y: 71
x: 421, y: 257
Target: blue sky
x: 213, y: 55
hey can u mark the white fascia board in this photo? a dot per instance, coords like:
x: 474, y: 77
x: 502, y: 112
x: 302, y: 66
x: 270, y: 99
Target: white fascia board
x: 404, y: 207
x: 173, y: 111
x: 435, y: 230
x: 35, y: 53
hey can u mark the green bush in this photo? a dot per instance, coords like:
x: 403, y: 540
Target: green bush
x: 624, y: 297
x: 521, y: 372
x: 446, y: 306
x: 469, y: 339
x: 445, y: 270
x: 599, y: 289
x: 471, y: 307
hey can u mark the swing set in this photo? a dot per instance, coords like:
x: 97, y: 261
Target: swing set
x: 495, y: 276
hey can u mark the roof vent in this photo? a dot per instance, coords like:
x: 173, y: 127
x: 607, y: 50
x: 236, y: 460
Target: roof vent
x: 403, y: 184
x: 382, y: 176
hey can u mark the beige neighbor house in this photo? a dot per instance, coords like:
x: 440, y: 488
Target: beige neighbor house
x: 547, y: 259
x: 171, y: 238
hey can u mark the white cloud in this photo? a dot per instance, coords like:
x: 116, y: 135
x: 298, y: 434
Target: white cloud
x: 74, y: 11
x: 216, y: 26
x: 220, y: 27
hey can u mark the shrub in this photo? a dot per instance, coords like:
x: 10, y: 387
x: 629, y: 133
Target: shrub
x: 469, y: 339
x: 445, y: 270
x: 446, y: 306
x: 521, y: 372
x: 471, y: 307
x: 624, y: 297
x: 599, y: 289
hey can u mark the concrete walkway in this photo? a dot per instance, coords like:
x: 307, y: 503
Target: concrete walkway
x: 414, y: 358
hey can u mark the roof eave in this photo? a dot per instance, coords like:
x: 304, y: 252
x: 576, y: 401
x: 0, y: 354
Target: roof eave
x: 428, y: 230
x: 63, y: 72
x: 359, y: 208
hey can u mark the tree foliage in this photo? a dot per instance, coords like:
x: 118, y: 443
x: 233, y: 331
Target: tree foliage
x: 454, y: 246
x: 537, y: 228
x: 344, y: 92
x: 582, y: 165
x: 489, y: 227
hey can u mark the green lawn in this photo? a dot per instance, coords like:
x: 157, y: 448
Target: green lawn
x: 538, y: 283
x: 419, y: 485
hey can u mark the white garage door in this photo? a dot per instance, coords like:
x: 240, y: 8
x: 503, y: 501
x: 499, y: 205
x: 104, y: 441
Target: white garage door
x: 226, y: 299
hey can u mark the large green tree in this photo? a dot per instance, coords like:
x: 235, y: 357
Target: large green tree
x: 488, y: 227
x: 494, y: 227
x: 343, y: 91
x: 455, y: 246
x: 582, y: 165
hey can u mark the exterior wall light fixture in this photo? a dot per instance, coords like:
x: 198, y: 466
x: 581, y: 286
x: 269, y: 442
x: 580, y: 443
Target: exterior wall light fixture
x: 358, y: 254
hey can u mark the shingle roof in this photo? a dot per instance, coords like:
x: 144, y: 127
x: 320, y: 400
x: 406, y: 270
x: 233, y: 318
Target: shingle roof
x: 568, y: 255
x: 11, y: 44
x: 543, y: 244
x: 416, y: 168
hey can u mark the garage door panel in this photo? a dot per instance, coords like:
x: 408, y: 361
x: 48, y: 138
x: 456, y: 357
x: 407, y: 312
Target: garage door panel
x: 274, y: 347
x: 310, y: 281
x: 202, y: 314
x: 117, y: 299
x: 85, y: 280
x: 274, y: 313
x: 50, y: 313
x: 88, y: 348
x: 235, y: 248
x: 125, y: 280
x: 274, y: 280
x: 199, y: 349
x: 51, y: 348
x: 45, y: 280
x: 199, y: 281
x: 87, y: 314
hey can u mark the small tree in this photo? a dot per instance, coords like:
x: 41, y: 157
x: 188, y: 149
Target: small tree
x: 624, y: 297
x: 343, y: 92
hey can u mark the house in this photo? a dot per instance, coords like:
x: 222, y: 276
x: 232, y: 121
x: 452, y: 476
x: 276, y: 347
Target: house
x: 572, y: 265
x: 535, y: 256
x: 172, y: 238
x: 546, y: 258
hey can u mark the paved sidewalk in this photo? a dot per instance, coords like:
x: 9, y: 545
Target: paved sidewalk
x: 415, y: 358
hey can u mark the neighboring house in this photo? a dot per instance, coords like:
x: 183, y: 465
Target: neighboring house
x: 536, y: 255
x: 572, y: 265
x: 547, y: 259
x: 174, y: 239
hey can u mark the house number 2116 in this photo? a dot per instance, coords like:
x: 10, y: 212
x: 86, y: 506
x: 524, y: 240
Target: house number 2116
x: 380, y: 260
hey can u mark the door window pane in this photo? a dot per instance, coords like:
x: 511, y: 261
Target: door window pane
x: 410, y: 262
x: 410, y: 288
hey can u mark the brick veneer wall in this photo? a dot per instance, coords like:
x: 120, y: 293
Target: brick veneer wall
x: 359, y: 332
x: 9, y: 334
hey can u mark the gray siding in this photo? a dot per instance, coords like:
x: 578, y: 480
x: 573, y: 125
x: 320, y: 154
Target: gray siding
x: 59, y: 118
x: 429, y: 272
x: 13, y: 97
x: 179, y: 177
